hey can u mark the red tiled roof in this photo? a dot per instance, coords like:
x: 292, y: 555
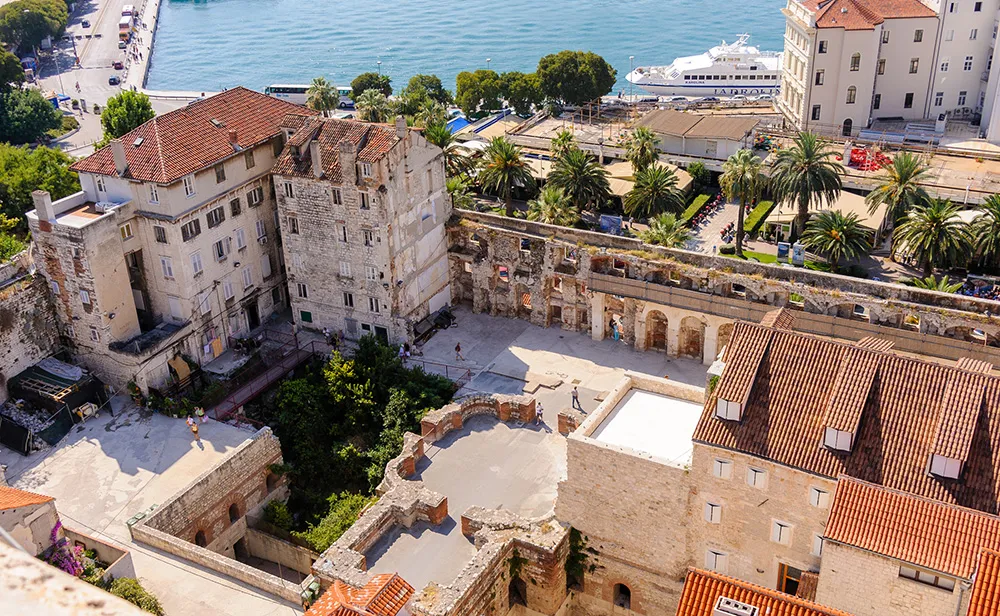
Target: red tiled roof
x: 383, y: 595
x: 12, y: 498
x: 372, y: 142
x: 985, y: 598
x: 864, y: 14
x: 794, y: 384
x: 782, y: 318
x: 186, y: 140
x: 914, y: 529
x: 702, y: 590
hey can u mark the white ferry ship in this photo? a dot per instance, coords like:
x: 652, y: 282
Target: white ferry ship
x: 724, y: 70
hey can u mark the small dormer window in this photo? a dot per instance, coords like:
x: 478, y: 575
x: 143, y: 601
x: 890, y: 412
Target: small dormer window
x: 365, y: 169
x: 729, y: 410
x: 295, y: 151
x: 947, y: 468
x: 841, y: 440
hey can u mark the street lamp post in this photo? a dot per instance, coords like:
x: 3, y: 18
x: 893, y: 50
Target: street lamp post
x: 488, y: 60
x: 379, y: 68
x: 630, y: 60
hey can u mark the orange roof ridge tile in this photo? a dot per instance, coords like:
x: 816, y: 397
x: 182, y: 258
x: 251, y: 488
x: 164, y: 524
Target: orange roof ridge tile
x: 974, y: 365
x: 702, y: 590
x: 782, y: 318
x: 12, y: 498
x: 985, y: 597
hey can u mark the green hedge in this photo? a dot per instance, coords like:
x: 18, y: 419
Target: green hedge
x: 696, y: 204
x: 132, y: 591
x: 757, y: 216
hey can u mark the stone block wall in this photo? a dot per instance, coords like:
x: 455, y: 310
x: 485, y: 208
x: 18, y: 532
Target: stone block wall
x: 28, y: 329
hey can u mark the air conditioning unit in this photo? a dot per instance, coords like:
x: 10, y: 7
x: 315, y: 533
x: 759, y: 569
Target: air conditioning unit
x: 262, y: 239
x: 731, y: 607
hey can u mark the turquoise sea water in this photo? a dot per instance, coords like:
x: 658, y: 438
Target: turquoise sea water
x: 211, y: 44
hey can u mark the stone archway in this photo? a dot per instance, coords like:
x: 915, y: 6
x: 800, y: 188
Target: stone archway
x: 692, y: 339
x: 656, y: 331
x: 522, y: 295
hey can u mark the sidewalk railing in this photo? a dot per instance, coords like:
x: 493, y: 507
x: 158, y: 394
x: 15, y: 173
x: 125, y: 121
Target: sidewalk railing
x: 459, y: 375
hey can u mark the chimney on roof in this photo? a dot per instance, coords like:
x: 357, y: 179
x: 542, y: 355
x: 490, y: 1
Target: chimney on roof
x: 43, y: 205
x: 400, y: 127
x: 118, y: 150
x: 317, y: 158
x: 233, y: 140
x: 347, y: 157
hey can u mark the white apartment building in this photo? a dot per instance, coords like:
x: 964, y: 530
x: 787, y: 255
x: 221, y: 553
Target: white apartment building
x: 850, y: 62
x: 172, y: 245
x: 363, y: 208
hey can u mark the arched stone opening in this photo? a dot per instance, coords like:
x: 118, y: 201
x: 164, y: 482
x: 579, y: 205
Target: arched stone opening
x: 522, y: 295
x: 517, y: 593
x: 692, y: 339
x: 234, y: 513
x: 656, y: 331
x: 271, y: 482
x: 200, y: 539
x: 622, y: 596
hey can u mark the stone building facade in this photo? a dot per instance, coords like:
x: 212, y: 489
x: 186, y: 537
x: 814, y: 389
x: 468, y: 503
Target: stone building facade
x: 363, y: 208
x: 28, y: 329
x: 172, y: 245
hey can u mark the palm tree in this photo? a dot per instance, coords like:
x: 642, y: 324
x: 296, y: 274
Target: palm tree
x: 807, y: 175
x: 432, y: 113
x: 654, y: 192
x: 640, y: 148
x: 502, y: 169
x: 666, y: 230
x: 935, y: 235
x: 553, y: 207
x: 458, y: 190
x: 562, y: 143
x: 322, y: 95
x: 836, y: 236
x: 986, y: 230
x: 455, y: 162
x: 372, y: 106
x: 582, y: 178
x: 742, y: 179
x: 900, y: 188
x: 944, y: 284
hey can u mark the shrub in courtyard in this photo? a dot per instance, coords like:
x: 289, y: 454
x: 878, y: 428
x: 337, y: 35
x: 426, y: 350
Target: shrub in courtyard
x: 276, y: 513
x: 343, y: 512
x: 132, y: 591
x: 727, y: 249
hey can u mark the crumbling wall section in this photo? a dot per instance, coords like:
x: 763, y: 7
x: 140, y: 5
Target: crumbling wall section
x: 28, y: 330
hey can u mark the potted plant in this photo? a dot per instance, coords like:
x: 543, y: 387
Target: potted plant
x: 136, y: 394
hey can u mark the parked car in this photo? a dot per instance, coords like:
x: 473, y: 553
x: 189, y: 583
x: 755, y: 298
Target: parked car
x: 117, y: 65
x: 708, y: 99
x: 677, y: 99
x: 765, y: 97
x: 114, y: 80
x: 122, y: 45
x: 738, y: 98
x: 85, y: 23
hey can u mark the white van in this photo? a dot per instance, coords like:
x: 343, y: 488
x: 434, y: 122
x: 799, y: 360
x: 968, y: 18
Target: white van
x: 128, y: 10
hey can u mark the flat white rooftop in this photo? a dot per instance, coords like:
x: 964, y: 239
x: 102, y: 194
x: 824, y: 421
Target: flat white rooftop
x: 654, y: 424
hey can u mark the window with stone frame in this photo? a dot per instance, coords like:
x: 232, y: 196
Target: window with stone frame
x: 247, y: 277
x: 220, y: 173
x: 191, y: 230
x: 160, y: 234
x: 235, y: 208
x: 216, y: 217
x: 302, y: 290
x: 365, y: 200
x: 336, y: 196
x: 248, y: 158
x: 373, y: 305
x: 255, y: 197
x: 369, y: 237
x: 348, y: 300
x: 221, y: 249
x: 196, y: 265
x: 293, y: 225
x: 241, y: 239
x: 188, y: 181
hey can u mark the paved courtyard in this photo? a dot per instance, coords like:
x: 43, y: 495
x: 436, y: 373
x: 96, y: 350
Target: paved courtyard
x: 110, y: 468
x: 487, y: 463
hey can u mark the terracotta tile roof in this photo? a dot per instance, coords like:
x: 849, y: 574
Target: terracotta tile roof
x: 875, y: 343
x: 186, y: 139
x: 808, y: 582
x: 782, y: 318
x: 910, y: 528
x: 975, y: 365
x: 702, y: 590
x: 985, y: 598
x: 789, y: 380
x: 372, y: 142
x: 854, y: 379
x: 963, y: 397
x: 12, y: 498
x: 383, y: 595
x: 864, y: 14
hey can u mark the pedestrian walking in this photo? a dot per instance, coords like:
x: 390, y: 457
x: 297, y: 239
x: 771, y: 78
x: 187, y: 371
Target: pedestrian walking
x: 538, y: 413
x: 326, y: 334
x: 458, y: 352
x: 194, y: 428
x: 200, y: 412
x: 576, y: 399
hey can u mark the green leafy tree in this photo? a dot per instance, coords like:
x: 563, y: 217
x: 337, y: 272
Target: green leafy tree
x: 654, y: 192
x: 575, y: 77
x: 11, y: 73
x: 640, y: 148
x: 478, y: 93
x: 429, y: 86
x: 124, y: 113
x: 25, y: 116
x: 742, y: 180
x: 455, y: 162
x: 522, y: 91
x: 408, y: 104
x: 563, y: 142
x: 985, y: 230
x: 553, y: 207
x: 322, y: 95
x: 934, y: 235
x: 836, y: 236
x: 370, y: 81
x: 502, y: 168
x: 27, y: 22
x: 930, y: 283
x: 666, y: 230
x: 700, y: 176
x: 343, y: 512
x: 23, y: 170
x: 581, y: 178
x: 432, y: 113
x: 807, y: 175
x: 458, y: 189
x: 900, y: 187
x: 372, y: 106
